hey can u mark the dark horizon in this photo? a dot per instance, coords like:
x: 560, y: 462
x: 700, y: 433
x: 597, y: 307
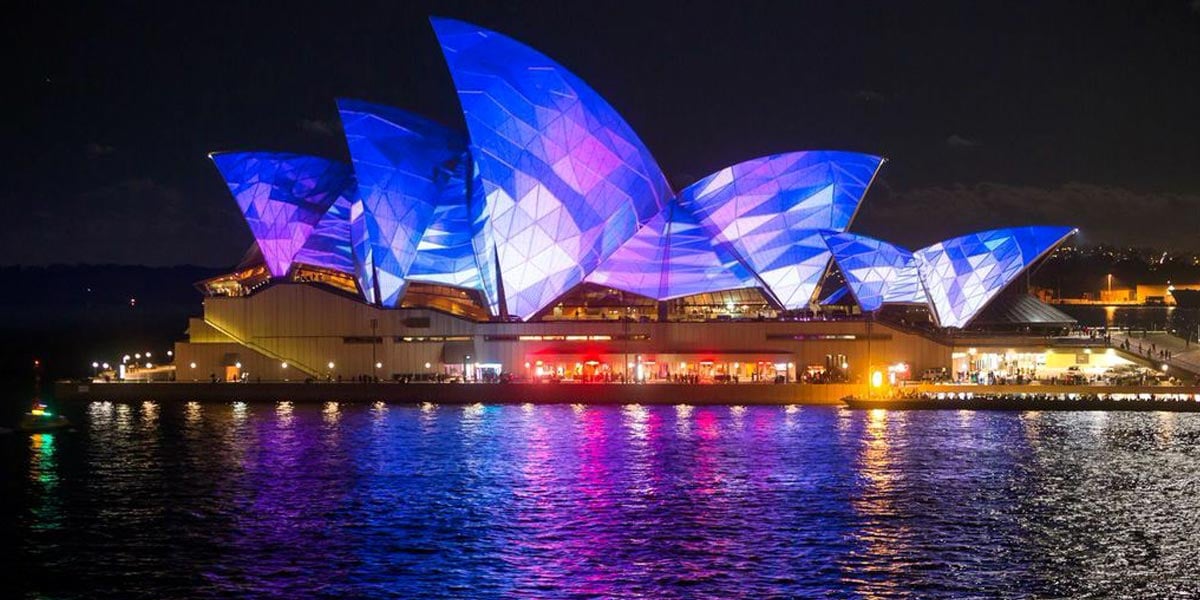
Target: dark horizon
x: 990, y: 114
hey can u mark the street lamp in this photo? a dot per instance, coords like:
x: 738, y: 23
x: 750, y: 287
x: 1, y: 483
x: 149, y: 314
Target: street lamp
x: 466, y: 358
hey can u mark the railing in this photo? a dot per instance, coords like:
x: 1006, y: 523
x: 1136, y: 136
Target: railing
x: 264, y: 351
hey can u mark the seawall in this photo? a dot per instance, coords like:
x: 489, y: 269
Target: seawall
x: 459, y: 393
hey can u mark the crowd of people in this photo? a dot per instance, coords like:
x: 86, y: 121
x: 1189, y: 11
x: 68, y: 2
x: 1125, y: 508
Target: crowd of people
x: 1041, y: 397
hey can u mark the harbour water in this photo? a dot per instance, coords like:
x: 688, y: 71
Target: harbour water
x: 157, y: 500
x: 1155, y: 318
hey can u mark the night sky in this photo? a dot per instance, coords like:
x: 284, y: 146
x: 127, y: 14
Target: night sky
x: 991, y: 113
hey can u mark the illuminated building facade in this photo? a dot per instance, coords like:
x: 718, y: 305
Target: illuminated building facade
x: 548, y: 213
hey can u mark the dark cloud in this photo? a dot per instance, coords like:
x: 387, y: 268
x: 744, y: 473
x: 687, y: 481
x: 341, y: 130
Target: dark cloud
x: 135, y: 221
x: 96, y: 149
x: 958, y: 141
x: 1109, y: 215
x: 319, y: 127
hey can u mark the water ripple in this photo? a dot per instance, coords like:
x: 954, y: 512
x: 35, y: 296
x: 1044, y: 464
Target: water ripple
x: 164, y: 500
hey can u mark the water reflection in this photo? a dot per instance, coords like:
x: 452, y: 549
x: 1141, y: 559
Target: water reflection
x: 240, y: 412
x: 880, y: 535
x: 43, y: 474
x: 284, y: 414
x: 193, y: 413
x: 377, y: 500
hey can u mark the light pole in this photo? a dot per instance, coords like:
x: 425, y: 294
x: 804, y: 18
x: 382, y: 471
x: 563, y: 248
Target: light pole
x: 869, y: 382
x: 466, y: 358
x: 1110, y: 286
x: 625, y: 338
x: 374, y: 324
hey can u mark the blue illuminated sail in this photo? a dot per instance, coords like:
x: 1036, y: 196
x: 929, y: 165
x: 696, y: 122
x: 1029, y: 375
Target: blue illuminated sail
x: 961, y: 275
x: 771, y: 211
x: 565, y: 178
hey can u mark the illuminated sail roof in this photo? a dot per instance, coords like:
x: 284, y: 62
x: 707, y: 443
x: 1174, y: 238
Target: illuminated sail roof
x: 876, y: 272
x: 282, y: 196
x: 673, y: 255
x: 565, y: 178
x: 961, y: 275
x: 771, y: 211
x: 404, y: 164
x: 549, y: 188
x: 328, y: 245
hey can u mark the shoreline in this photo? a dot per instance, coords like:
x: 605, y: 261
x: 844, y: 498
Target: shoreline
x: 1016, y: 403
x: 462, y: 393
x: 1007, y: 397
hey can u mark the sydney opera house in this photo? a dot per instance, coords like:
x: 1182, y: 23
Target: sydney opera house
x: 544, y: 241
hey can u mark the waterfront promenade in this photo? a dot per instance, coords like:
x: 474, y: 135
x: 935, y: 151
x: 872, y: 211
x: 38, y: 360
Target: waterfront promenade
x: 562, y: 393
x: 1184, y: 355
x: 463, y: 393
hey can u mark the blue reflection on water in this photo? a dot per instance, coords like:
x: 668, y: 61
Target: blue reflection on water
x: 347, y: 500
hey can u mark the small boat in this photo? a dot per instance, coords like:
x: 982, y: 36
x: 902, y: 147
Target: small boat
x: 40, y: 419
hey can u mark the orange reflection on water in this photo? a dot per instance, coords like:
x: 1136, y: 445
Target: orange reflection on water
x: 875, y: 458
x: 883, y: 539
